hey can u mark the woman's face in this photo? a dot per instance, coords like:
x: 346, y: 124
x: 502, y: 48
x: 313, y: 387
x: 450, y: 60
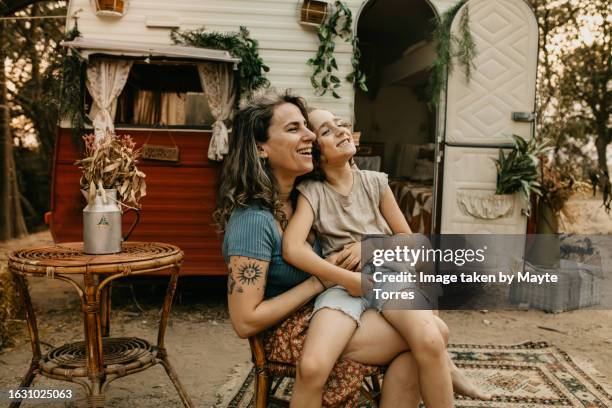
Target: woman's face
x: 334, y: 136
x: 289, y: 144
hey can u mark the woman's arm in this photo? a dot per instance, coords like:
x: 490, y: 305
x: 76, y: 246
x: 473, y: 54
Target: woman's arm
x: 299, y: 253
x: 248, y: 310
x: 392, y: 213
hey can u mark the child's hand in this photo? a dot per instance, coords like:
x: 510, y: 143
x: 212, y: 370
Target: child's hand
x: 327, y: 283
x: 353, y: 285
x: 322, y: 284
x: 349, y: 257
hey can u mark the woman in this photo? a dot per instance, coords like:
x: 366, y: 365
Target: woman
x: 270, y: 147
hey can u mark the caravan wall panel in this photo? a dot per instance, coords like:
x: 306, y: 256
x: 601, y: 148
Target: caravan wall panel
x: 285, y: 44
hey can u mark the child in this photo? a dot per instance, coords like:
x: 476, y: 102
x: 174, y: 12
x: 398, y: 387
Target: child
x: 347, y: 205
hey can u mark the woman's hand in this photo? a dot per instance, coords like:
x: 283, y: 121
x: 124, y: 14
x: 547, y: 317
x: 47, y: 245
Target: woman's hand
x: 348, y: 257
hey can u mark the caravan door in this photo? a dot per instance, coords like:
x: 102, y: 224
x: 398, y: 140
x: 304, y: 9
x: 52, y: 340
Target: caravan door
x: 481, y: 114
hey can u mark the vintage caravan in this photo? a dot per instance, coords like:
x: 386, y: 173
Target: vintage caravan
x: 440, y: 162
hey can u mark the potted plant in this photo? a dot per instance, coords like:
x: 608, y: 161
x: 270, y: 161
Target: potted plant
x: 110, y: 180
x: 518, y: 171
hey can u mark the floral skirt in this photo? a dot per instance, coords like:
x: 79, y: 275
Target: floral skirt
x: 284, y: 344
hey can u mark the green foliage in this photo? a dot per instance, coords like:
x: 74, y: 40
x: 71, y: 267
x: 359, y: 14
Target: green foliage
x: 337, y: 24
x: 239, y: 44
x: 519, y: 169
x: 34, y: 58
x: 71, y: 90
x: 573, y: 90
x: 449, y: 46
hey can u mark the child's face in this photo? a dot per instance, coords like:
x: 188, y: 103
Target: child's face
x: 334, y: 137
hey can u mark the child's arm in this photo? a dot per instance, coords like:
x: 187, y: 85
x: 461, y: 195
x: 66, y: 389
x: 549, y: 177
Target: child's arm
x: 392, y: 213
x: 299, y: 253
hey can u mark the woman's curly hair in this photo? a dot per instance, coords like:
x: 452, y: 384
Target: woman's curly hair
x: 245, y: 178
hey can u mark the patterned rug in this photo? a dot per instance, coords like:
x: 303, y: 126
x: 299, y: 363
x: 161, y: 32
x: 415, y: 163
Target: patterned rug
x: 528, y: 375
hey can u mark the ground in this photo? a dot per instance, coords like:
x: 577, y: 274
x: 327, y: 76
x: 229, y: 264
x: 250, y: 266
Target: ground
x: 205, y: 351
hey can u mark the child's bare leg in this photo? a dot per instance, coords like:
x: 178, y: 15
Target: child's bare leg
x: 328, y: 334
x: 421, y: 332
x: 462, y: 385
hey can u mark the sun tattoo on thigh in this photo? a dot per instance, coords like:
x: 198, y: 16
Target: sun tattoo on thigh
x: 249, y: 273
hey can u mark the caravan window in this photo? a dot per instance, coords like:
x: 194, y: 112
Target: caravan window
x: 163, y: 94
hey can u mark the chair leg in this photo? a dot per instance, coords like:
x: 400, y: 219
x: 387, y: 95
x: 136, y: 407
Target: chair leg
x: 25, y: 382
x: 262, y: 388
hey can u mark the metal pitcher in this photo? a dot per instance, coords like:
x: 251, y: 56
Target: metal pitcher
x: 102, y: 223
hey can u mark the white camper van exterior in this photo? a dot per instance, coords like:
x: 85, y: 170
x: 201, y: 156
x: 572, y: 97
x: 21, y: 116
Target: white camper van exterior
x: 474, y: 120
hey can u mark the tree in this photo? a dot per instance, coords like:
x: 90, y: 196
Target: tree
x: 12, y: 223
x: 575, y: 79
x: 30, y: 48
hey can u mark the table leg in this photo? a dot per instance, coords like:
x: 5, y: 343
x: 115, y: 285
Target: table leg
x: 161, y: 350
x: 105, y: 309
x: 27, y: 379
x: 93, y: 342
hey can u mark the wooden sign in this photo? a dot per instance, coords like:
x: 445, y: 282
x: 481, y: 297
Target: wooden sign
x: 159, y: 152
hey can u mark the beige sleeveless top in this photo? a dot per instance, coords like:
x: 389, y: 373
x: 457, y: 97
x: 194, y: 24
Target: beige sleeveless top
x: 339, y: 219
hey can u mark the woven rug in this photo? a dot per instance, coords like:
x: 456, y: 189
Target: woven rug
x: 528, y: 375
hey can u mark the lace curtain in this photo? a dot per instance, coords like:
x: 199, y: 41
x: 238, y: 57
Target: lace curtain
x: 217, y: 80
x: 105, y: 81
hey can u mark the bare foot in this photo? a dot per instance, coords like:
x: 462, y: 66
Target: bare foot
x: 462, y: 385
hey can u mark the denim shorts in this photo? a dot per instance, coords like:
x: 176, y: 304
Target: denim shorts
x: 337, y: 297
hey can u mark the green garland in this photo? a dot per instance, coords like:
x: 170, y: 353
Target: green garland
x: 239, y: 44
x: 338, y: 24
x: 71, y: 89
x: 448, y: 46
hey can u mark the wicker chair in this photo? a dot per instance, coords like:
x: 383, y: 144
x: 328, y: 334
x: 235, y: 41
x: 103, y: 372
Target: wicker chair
x: 269, y: 376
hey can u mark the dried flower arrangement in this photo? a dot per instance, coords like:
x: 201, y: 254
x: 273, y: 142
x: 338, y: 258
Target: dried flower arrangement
x: 111, y: 163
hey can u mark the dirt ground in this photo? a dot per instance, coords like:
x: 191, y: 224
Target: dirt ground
x: 205, y: 351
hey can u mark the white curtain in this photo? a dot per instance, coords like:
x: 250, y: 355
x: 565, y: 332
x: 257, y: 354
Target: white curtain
x: 105, y: 81
x: 217, y: 80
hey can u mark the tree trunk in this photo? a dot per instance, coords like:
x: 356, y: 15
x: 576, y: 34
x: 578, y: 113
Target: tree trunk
x: 12, y: 223
x: 602, y: 141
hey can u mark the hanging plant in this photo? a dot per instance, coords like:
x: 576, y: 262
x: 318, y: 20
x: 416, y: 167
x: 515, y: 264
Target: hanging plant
x: 337, y: 24
x: 71, y: 89
x: 449, y: 46
x: 251, y: 67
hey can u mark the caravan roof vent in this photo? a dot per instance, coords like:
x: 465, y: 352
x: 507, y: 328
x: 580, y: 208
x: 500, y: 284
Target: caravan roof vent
x: 110, y: 8
x: 313, y: 12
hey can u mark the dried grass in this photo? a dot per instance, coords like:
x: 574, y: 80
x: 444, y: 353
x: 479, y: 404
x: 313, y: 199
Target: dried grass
x: 110, y: 164
x: 9, y: 306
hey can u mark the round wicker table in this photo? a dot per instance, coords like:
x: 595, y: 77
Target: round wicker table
x: 100, y: 359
